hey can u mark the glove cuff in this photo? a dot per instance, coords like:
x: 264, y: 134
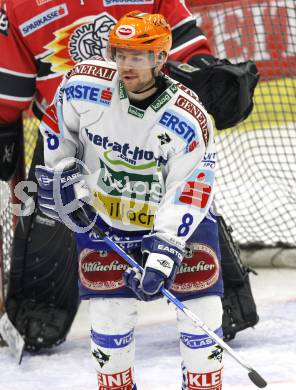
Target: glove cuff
x: 165, y: 244
x: 160, y: 262
x: 202, y: 61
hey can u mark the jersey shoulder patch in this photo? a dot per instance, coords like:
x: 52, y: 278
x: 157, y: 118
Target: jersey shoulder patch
x: 98, y: 69
x: 91, y: 81
x: 192, y: 109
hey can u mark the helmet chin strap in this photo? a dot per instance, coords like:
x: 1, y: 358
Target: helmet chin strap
x: 156, y: 83
x: 144, y: 90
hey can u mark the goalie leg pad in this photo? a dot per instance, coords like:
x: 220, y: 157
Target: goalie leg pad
x: 112, y: 341
x: 202, y: 358
x: 42, y: 295
x: 238, y: 302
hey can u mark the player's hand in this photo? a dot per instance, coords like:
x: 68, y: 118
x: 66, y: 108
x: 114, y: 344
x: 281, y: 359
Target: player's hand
x: 60, y: 200
x: 164, y: 258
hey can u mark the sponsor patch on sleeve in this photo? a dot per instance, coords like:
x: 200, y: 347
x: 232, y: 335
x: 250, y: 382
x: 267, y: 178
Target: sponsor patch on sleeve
x: 197, y: 190
x: 196, y: 113
x: 43, y: 19
x: 100, y: 72
x: 180, y: 126
x: 89, y: 92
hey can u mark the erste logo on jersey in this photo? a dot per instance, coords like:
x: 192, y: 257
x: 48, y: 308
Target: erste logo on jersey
x: 85, y: 38
x: 89, y: 92
x: 43, y: 19
x: 181, y: 126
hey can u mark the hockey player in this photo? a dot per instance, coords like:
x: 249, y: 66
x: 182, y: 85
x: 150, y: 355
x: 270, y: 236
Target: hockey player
x: 141, y: 138
x: 42, y: 40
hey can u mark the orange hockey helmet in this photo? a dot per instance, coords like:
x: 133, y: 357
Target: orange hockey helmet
x: 141, y: 31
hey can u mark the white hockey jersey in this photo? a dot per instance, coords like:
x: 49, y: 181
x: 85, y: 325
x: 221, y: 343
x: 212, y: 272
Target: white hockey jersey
x: 147, y: 169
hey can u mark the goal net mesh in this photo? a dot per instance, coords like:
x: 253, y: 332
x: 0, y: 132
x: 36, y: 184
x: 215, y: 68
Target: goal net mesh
x: 256, y: 160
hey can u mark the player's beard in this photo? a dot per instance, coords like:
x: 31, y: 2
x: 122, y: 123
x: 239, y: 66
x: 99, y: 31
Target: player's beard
x: 134, y: 83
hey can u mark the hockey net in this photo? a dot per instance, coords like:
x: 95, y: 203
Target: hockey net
x: 256, y: 159
x: 257, y: 164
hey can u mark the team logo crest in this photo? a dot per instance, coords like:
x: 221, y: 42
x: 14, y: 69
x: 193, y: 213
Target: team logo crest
x: 81, y: 40
x: 125, y: 31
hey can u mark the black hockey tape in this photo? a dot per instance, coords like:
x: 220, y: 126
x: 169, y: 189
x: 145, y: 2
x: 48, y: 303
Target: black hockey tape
x: 257, y: 379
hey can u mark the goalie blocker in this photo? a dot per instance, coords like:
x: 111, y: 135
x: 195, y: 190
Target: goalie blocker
x: 225, y: 89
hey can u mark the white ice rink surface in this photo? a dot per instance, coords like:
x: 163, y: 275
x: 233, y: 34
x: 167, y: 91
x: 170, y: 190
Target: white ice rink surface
x: 270, y: 348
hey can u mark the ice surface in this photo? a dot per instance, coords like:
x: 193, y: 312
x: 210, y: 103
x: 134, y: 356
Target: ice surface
x: 270, y: 348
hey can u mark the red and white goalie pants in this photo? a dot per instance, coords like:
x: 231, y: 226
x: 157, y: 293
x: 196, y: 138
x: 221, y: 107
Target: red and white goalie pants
x: 113, y: 321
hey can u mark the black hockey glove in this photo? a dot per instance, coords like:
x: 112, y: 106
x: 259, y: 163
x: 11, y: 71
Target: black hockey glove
x: 164, y: 258
x: 225, y: 89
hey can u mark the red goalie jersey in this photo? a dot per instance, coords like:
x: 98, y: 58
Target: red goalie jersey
x: 40, y: 40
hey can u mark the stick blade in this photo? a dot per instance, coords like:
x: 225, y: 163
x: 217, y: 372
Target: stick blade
x: 257, y: 379
x: 12, y: 337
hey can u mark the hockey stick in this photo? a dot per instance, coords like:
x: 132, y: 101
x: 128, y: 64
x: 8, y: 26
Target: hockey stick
x: 8, y: 331
x: 255, y: 377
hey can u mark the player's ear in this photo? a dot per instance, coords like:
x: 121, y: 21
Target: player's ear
x: 161, y: 59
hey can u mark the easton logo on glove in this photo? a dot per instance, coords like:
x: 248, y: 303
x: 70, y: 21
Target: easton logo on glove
x: 170, y: 249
